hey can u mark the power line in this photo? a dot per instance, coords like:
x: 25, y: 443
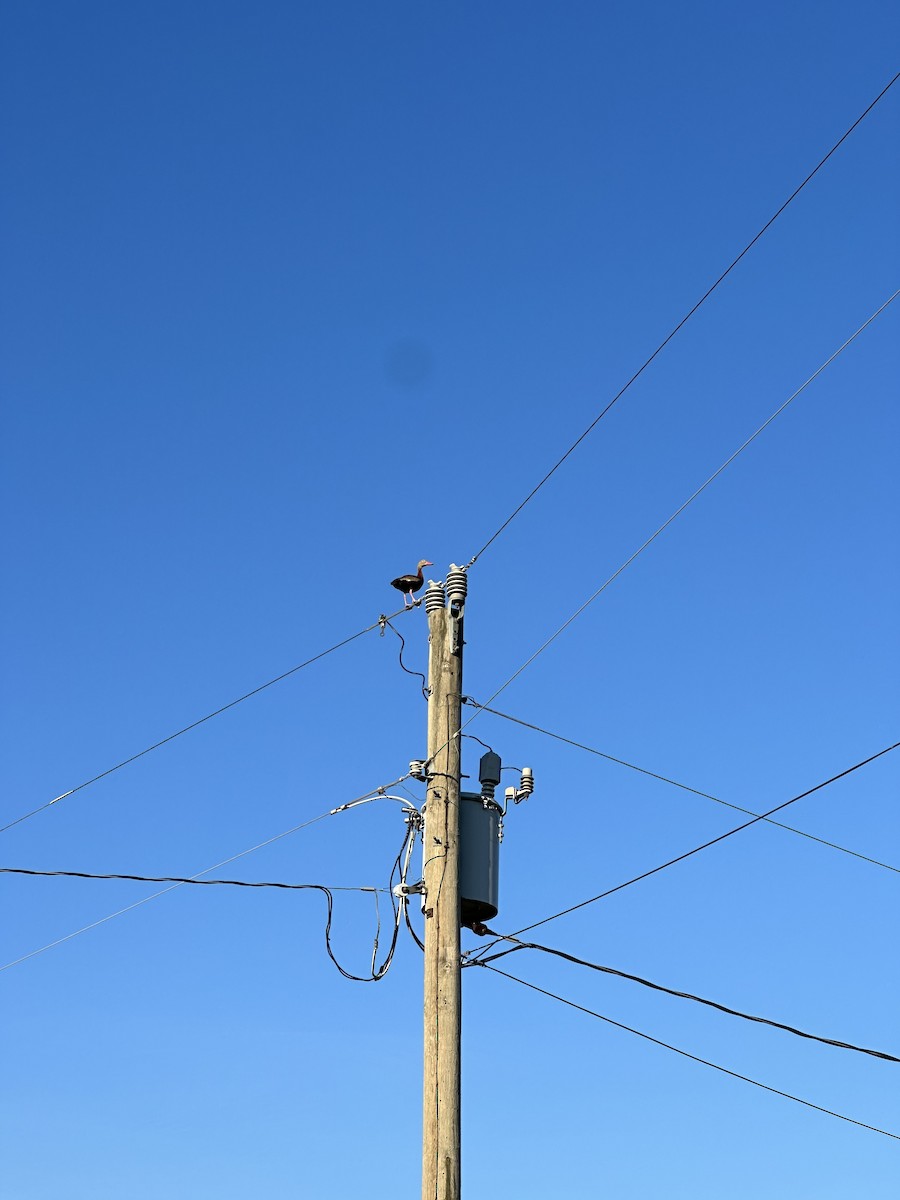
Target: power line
x: 694, y: 1057
x: 684, y: 320
x: 366, y: 798
x: 705, y: 845
x: 398, y: 905
x: 244, y: 883
x: 327, y: 892
x: 403, y: 666
x: 687, y: 502
x: 658, y: 987
x: 379, y: 624
x: 675, y: 783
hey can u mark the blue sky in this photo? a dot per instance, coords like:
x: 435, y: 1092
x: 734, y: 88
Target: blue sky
x: 294, y: 296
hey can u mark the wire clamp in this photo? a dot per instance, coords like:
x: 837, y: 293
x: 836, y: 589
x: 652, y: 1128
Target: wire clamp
x: 413, y: 817
x: 409, y: 889
x: 418, y: 769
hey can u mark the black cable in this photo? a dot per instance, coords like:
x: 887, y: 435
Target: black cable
x: 674, y: 783
x: 694, y: 1057
x: 202, y: 720
x: 705, y: 845
x: 180, y: 879
x: 403, y: 666
x: 416, y: 827
x: 684, y: 320
x: 658, y: 987
x: 327, y: 892
x: 415, y: 936
x: 471, y: 736
x: 377, y: 973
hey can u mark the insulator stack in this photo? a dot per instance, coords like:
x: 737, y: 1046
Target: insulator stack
x: 489, y: 774
x: 434, y: 597
x: 457, y: 585
x: 526, y: 785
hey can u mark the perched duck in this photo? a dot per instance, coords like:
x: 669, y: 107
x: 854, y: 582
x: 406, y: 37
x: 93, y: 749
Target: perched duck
x: 407, y: 584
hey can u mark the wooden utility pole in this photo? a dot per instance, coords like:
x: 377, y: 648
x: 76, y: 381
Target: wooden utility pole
x: 443, y: 975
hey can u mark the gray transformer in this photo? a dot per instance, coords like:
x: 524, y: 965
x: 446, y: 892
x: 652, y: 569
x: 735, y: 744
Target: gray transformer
x: 480, y: 822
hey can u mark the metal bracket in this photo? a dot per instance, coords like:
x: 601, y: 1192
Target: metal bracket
x: 456, y: 637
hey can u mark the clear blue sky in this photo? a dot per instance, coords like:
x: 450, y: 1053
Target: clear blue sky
x: 295, y: 295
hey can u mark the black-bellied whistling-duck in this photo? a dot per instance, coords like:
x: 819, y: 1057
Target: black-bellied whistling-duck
x: 407, y: 584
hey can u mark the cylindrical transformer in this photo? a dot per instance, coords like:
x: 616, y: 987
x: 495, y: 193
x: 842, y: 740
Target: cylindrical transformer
x: 479, y: 857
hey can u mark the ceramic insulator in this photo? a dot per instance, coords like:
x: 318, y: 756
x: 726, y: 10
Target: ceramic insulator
x: 526, y: 786
x: 457, y: 583
x: 434, y: 596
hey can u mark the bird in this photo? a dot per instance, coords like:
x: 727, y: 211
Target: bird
x: 407, y: 584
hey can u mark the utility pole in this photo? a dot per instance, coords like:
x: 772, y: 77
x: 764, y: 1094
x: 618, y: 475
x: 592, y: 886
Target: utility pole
x: 443, y: 974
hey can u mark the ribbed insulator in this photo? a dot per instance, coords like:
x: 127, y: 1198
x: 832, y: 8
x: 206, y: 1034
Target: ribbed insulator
x: 418, y: 769
x: 526, y: 785
x: 487, y: 790
x: 434, y: 596
x: 457, y: 584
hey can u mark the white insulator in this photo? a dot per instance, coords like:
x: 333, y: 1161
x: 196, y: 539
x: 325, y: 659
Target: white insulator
x: 457, y: 585
x: 418, y: 769
x: 526, y: 785
x: 434, y: 596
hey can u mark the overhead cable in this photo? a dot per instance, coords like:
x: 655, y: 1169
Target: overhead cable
x: 328, y: 892
x: 243, y: 883
x: 366, y: 798
x: 684, y: 320
x: 398, y: 904
x: 675, y: 783
x: 403, y: 666
x: 590, y: 600
x: 705, y: 845
x: 658, y: 987
x: 202, y: 720
x: 694, y: 1057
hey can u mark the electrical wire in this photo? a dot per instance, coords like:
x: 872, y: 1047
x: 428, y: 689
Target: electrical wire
x: 418, y: 941
x: 377, y: 973
x: 703, y: 846
x: 694, y: 1057
x: 417, y: 831
x: 202, y: 720
x: 244, y: 883
x: 658, y: 987
x: 366, y: 798
x: 328, y: 892
x: 875, y: 862
x: 403, y: 667
x: 471, y: 736
x: 687, y: 502
x: 684, y: 320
